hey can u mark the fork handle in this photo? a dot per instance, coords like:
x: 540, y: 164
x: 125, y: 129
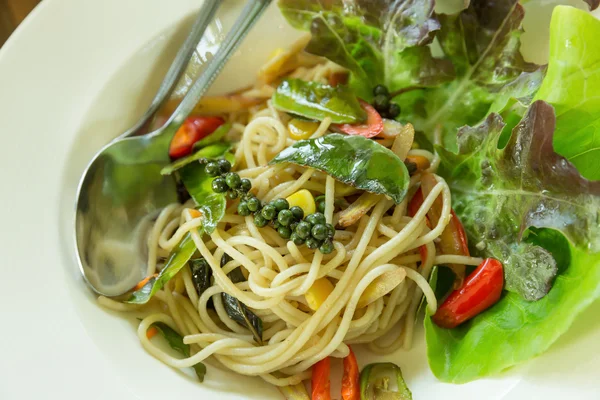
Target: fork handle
x: 180, y: 62
x: 241, y: 27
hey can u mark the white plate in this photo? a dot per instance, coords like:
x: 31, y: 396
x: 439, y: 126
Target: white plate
x: 75, y: 74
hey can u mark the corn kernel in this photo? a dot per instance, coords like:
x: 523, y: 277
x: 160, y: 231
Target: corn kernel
x: 303, y: 199
x: 318, y: 293
x: 300, y: 130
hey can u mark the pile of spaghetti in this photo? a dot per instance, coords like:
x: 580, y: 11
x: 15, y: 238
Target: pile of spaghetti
x: 296, y: 304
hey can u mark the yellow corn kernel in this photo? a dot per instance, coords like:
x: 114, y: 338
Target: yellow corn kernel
x: 318, y: 293
x: 303, y: 199
x: 300, y: 130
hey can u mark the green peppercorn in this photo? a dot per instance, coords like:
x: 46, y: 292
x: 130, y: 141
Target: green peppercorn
x: 253, y: 204
x: 381, y: 102
x: 320, y: 198
x: 293, y: 226
x: 326, y: 247
x: 212, y: 169
x: 233, y: 180
x: 245, y: 185
x: 224, y: 166
x: 219, y: 185
x: 393, y: 111
x: 315, y: 219
x: 285, y: 217
x: 298, y: 241
x: 321, y: 206
x: 330, y: 231
x: 242, y: 209
x: 268, y: 212
x: 380, y: 90
x: 303, y: 229
x: 297, y: 212
x: 232, y: 194
x: 312, y: 243
x: 281, y: 204
x: 276, y: 225
x: 319, y: 232
x: 285, y: 232
x: 260, y: 221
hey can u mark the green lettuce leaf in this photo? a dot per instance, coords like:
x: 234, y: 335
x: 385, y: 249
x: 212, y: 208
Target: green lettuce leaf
x: 499, y: 193
x: 524, y: 199
x: 482, y: 42
x: 572, y: 86
x: 370, y: 37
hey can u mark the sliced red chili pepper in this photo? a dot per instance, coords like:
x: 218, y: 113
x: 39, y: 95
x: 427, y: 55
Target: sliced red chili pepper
x: 192, y: 130
x: 320, y: 380
x: 350, y: 379
x: 480, y: 290
x: 373, y: 126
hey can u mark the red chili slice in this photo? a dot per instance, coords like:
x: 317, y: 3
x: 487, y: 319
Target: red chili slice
x: 373, y: 126
x: 192, y: 130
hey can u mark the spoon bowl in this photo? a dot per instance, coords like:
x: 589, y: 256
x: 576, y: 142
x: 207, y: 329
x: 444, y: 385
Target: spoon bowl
x: 122, y: 190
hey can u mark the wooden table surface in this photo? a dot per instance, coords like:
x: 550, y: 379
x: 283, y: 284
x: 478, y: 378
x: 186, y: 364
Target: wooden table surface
x: 12, y: 12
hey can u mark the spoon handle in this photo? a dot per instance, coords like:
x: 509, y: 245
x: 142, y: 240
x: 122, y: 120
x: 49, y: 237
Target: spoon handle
x: 241, y: 27
x: 180, y: 62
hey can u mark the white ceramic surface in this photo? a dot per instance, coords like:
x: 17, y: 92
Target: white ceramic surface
x: 75, y: 74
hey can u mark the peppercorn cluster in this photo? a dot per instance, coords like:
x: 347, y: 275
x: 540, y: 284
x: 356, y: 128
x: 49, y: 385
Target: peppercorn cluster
x: 382, y: 103
x: 290, y: 222
x: 226, y: 181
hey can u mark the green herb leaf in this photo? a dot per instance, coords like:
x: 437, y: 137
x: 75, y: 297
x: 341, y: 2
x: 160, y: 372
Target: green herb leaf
x: 237, y: 310
x: 202, y: 156
x: 180, y: 255
x: 354, y: 160
x: 317, y: 101
x: 531, y: 209
x: 175, y: 340
x: 199, y: 185
x: 201, y: 274
x: 572, y: 86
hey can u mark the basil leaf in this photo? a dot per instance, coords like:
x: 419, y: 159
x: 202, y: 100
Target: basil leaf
x: 175, y: 340
x: 202, y: 156
x: 572, y: 85
x: 236, y: 310
x: 180, y: 255
x: 353, y: 160
x: 317, y: 101
x: 199, y: 185
x: 201, y: 274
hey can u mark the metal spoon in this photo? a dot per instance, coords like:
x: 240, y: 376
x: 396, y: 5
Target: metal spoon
x: 122, y: 189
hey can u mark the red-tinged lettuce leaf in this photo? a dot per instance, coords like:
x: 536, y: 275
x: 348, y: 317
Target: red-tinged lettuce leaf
x: 572, y: 86
x: 482, y: 42
x: 518, y: 203
x: 369, y: 37
x: 500, y: 193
